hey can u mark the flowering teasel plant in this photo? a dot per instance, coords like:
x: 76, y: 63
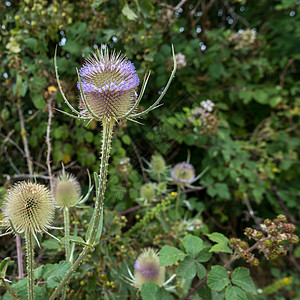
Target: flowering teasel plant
x: 183, y: 175
x: 107, y: 83
x: 148, y: 269
x: 28, y: 208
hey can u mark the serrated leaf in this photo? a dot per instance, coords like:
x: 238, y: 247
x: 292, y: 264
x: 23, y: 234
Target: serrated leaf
x: 218, y: 238
x: 169, y: 255
x: 129, y: 13
x: 51, y: 244
x: 192, y: 244
x: 235, y: 293
x: 187, y: 268
x: 38, y: 272
x: 204, y: 255
x: 54, y: 273
x: 217, y: 278
x: 220, y: 248
x: 149, y: 290
x: 241, y: 277
x: 201, y: 271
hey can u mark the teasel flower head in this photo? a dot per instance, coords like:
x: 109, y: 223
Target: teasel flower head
x: 147, y: 269
x: 108, y: 88
x: 183, y: 174
x: 108, y: 82
x: 66, y: 190
x: 28, y: 207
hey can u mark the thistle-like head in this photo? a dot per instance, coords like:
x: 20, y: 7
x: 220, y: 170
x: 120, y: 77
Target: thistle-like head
x: 108, y: 85
x: 29, y: 207
x: 66, y: 190
x: 147, y: 269
x: 147, y: 192
x: 183, y: 174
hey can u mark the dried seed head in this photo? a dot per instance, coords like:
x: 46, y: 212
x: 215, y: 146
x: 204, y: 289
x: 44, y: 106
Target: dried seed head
x: 109, y: 83
x: 147, y: 269
x: 183, y: 173
x: 66, y: 190
x: 29, y: 207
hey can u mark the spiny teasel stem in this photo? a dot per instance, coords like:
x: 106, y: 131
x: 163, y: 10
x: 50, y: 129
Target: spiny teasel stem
x: 30, y: 264
x: 67, y: 232
x: 105, y: 153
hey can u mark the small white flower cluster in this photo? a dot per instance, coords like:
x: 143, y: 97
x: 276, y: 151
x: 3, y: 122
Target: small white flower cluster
x: 243, y: 38
x: 208, y: 105
x: 181, y: 61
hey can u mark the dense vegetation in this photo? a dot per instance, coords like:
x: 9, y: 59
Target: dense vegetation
x: 233, y: 110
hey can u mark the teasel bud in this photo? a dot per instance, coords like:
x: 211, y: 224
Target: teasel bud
x: 147, y: 269
x: 109, y: 82
x: 158, y: 164
x: 66, y: 190
x: 29, y: 207
x: 183, y: 174
x: 147, y: 192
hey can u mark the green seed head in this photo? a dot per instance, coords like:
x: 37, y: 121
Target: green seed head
x: 158, y: 164
x: 29, y: 207
x: 66, y: 190
x: 147, y: 192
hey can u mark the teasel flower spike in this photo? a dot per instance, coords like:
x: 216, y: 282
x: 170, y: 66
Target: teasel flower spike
x: 156, y: 103
x: 78, y: 114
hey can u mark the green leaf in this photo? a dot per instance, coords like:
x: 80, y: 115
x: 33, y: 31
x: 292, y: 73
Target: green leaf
x: 38, y: 272
x: 51, y: 244
x: 38, y: 101
x: 54, y: 273
x: 3, y: 267
x: 218, y: 278
x: 201, y: 271
x: 261, y: 97
x: 235, y: 293
x: 99, y: 232
x: 187, y: 268
x: 204, y: 255
x: 149, y: 291
x: 77, y: 240
x: 218, y: 238
x: 126, y: 139
x: 192, y: 244
x: 168, y: 256
x: 220, y: 248
x: 129, y: 13
x: 241, y: 277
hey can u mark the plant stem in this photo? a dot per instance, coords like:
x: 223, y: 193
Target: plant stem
x: 105, y: 152
x: 30, y: 265
x: 177, y: 202
x: 67, y: 232
x: 19, y: 256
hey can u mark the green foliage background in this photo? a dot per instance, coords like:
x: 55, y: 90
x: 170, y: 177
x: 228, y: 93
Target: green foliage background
x: 251, y: 143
